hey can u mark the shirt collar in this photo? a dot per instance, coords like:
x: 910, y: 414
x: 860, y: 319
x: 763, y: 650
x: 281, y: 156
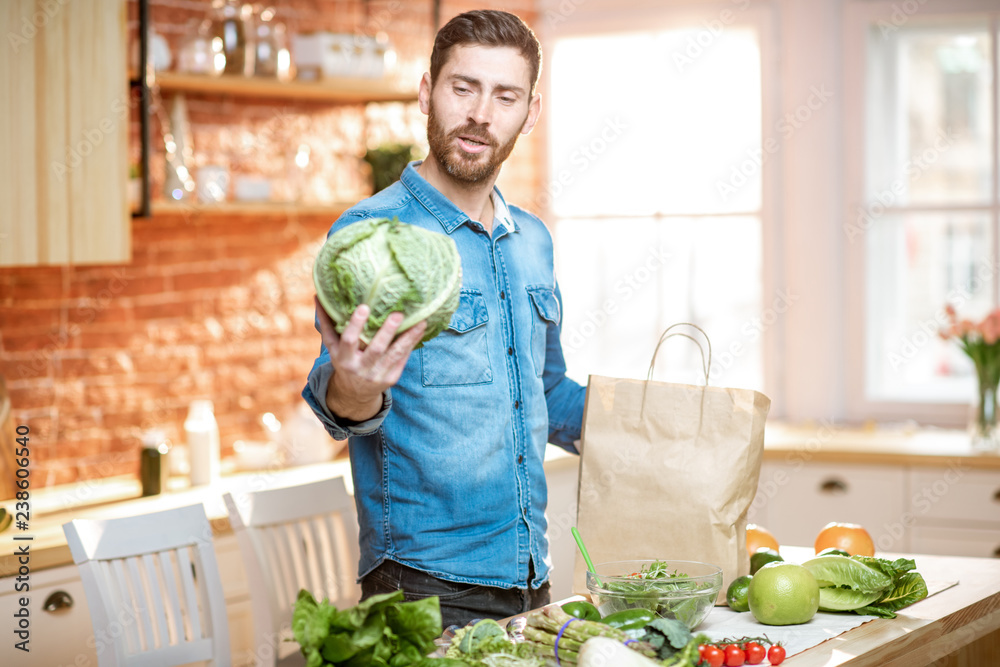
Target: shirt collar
x: 450, y: 216
x: 501, y: 214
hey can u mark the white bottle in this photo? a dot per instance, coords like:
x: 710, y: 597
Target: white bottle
x: 203, y: 442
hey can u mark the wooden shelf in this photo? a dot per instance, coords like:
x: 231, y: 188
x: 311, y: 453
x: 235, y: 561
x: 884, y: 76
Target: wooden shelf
x: 326, y: 90
x: 247, y: 208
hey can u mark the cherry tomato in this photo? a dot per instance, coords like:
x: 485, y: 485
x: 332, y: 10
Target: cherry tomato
x: 713, y: 656
x: 734, y: 656
x: 776, y: 654
x: 755, y: 653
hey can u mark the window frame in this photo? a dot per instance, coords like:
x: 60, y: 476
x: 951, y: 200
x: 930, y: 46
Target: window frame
x: 858, y: 16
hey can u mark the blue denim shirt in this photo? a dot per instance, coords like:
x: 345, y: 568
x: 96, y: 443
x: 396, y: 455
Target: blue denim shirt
x: 448, y: 477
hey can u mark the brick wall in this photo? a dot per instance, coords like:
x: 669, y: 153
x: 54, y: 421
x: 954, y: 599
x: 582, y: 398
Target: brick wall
x: 210, y: 306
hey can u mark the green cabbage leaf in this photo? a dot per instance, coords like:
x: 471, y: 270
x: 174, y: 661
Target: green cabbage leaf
x: 392, y: 267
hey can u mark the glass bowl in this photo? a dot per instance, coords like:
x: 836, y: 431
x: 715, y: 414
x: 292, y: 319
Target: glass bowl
x: 679, y: 589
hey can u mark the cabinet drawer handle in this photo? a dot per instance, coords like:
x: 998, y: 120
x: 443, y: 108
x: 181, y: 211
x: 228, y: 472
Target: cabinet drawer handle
x: 58, y: 600
x: 996, y: 496
x: 833, y: 486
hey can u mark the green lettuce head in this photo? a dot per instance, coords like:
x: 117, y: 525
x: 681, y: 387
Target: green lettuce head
x: 392, y: 267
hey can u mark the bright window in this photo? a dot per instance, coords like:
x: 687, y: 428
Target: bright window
x: 655, y: 188
x: 930, y: 219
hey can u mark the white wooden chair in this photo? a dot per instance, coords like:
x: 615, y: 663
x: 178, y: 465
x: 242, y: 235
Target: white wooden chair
x: 291, y: 538
x: 153, y: 588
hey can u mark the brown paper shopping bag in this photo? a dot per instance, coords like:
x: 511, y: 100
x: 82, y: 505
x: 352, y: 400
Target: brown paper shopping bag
x: 668, y: 471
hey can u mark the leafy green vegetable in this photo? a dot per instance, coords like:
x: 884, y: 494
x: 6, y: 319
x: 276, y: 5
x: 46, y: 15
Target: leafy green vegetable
x: 847, y: 572
x: 381, y: 631
x: 675, y: 645
x: 392, y: 267
x: 657, y: 588
x: 675, y: 632
x: 907, y: 589
x: 866, y: 585
x: 835, y: 598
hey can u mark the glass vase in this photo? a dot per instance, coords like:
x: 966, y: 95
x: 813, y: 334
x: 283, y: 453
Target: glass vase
x: 983, y: 424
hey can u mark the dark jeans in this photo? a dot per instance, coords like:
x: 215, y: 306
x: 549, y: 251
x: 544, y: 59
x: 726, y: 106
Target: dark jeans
x: 460, y: 603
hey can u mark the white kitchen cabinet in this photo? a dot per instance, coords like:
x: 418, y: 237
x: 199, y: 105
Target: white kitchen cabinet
x: 796, y: 498
x: 60, y: 637
x: 956, y: 541
x: 237, y: 592
x: 64, y: 637
x: 909, y: 508
x: 562, y: 472
x: 955, y: 511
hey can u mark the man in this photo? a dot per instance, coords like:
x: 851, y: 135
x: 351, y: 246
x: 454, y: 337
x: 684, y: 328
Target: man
x: 447, y: 466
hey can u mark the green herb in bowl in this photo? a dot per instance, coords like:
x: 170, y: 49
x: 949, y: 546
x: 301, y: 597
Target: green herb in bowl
x: 681, y: 590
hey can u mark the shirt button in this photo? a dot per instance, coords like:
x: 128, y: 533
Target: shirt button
x: 510, y: 350
x: 517, y: 404
x: 502, y: 297
x: 520, y: 459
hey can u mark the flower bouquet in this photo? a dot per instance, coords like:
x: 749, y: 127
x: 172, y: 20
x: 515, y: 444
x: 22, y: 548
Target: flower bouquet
x: 981, y: 341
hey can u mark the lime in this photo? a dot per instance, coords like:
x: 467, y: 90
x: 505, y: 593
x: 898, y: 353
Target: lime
x: 736, y: 594
x: 762, y: 557
x: 783, y: 594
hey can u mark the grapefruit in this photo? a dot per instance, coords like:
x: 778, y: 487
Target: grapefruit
x: 759, y: 537
x: 783, y: 594
x: 849, y: 537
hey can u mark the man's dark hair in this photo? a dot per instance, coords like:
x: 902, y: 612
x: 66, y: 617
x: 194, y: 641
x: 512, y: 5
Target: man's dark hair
x: 487, y: 27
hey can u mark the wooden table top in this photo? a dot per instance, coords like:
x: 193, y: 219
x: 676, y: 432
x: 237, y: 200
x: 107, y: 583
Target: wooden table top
x: 923, y: 632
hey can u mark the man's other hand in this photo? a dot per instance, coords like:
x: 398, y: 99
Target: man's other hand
x: 362, y: 372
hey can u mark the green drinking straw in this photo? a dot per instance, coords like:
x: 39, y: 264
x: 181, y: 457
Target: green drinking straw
x: 583, y: 551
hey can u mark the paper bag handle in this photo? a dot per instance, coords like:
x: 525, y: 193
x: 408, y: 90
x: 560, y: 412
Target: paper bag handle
x: 705, y: 365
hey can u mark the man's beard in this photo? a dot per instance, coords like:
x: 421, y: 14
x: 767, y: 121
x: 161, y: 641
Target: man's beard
x: 464, y: 168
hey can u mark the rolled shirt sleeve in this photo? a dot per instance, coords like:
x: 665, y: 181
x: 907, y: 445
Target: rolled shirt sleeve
x: 338, y: 427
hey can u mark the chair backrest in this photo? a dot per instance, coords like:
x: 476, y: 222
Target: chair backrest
x: 291, y: 538
x: 153, y: 588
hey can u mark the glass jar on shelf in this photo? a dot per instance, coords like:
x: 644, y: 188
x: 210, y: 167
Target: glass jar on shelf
x: 201, y: 51
x: 233, y: 25
x: 272, y: 58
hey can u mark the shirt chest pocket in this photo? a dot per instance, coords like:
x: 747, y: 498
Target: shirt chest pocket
x: 545, y: 313
x: 459, y: 354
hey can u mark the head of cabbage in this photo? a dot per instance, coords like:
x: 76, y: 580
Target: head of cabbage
x: 392, y: 267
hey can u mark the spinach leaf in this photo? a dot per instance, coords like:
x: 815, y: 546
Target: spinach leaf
x: 382, y: 631
x: 667, y: 636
